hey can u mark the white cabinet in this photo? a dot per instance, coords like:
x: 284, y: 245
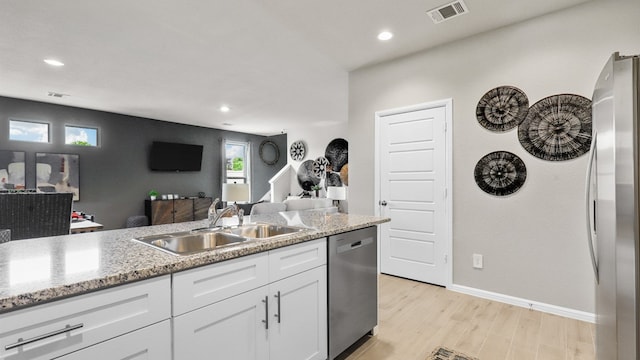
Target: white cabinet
x: 64, y: 326
x: 230, y: 329
x: 298, y: 328
x: 283, y: 317
x: 150, y: 343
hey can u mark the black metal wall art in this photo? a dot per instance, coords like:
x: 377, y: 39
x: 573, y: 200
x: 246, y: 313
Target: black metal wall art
x: 306, y: 176
x: 502, y: 108
x: 337, y: 152
x: 500, y: 173
x: 557, y: 128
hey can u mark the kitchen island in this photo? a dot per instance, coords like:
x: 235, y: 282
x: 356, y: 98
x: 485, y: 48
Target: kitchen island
x: 44, y: 270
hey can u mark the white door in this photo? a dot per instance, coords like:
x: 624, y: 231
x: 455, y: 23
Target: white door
x: 412, y: 183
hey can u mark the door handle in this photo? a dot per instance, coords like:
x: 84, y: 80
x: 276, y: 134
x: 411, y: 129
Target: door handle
x: 383, y: 203
x: 592, y: 154
x: 277, y: 315
x: 266, y: 312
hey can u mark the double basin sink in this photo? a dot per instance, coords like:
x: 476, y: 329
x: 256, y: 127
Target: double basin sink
x: 198, y: 240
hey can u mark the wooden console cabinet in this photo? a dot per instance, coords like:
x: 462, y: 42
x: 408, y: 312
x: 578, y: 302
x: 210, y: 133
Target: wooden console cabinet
x: 177, y: 210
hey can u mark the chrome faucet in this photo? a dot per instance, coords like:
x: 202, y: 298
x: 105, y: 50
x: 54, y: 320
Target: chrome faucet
x: 213, y: 217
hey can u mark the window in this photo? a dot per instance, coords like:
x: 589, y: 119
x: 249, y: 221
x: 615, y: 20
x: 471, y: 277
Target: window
x: 28, y: 131
x: 82, y: 136
x: 236, y: 162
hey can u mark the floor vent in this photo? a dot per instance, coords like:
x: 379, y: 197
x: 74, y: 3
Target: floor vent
x: 448, y: 11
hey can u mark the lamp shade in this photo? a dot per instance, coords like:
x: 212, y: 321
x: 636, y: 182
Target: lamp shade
x: 235, y: 192
x: 337, y: 192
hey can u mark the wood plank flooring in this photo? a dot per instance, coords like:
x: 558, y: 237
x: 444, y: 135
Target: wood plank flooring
x: 415, y: 318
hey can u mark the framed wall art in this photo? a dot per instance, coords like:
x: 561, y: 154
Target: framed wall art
x: 12, y: 170
x: 58, y: 173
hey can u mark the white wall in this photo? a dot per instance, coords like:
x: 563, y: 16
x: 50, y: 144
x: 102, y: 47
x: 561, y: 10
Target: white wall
x: 534, y: 242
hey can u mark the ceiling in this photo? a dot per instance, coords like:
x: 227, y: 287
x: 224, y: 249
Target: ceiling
x: 279, y: 64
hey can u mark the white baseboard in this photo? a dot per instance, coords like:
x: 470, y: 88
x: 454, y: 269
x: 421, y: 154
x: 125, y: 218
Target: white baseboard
x: 528, y: 304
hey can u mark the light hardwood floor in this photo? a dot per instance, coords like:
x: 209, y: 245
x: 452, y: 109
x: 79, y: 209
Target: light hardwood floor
x: 415, y: 318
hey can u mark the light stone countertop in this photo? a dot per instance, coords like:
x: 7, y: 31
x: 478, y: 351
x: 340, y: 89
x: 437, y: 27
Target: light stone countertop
x: 34, y: 271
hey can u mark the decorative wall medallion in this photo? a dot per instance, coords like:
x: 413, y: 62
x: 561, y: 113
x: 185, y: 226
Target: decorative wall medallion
x: 337, y: 152
x: 344, y: 174
x: 320, y: 166
x: 557, y: 128
x: 269, y: 152
x: 297, y: 151
x: 306, y: 176
x: 502, y: 108
x: 500, y: 173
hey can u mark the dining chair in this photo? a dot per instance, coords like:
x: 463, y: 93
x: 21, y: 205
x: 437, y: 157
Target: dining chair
x: 30, y: 215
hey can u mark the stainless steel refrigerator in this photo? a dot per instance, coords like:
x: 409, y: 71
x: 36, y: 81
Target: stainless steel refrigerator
x: 613, y: 197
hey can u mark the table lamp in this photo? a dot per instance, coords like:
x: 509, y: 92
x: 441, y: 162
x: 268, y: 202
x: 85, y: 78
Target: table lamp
x: 336, y: 193
x: 235, y: 192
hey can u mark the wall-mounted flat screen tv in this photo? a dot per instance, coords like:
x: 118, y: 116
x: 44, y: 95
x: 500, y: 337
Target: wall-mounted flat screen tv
x: 167, y: 156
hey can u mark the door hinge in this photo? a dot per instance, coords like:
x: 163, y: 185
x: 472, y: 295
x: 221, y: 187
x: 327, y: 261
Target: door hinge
x: 444, y: 127
x: 446, y: 193
x: 445, y: 258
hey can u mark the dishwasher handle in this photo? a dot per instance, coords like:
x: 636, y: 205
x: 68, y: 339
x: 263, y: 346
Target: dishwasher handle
x: 354, y: 245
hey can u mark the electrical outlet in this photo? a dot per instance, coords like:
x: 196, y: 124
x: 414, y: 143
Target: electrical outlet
x: 477, y: 261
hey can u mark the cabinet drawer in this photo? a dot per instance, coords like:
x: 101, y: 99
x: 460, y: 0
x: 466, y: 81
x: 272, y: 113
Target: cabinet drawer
x: 290, y: 260
x: 150, y: 343
x: 94, y: 317
x: 206, y: 285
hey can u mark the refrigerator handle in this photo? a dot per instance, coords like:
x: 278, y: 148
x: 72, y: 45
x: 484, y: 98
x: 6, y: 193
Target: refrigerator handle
x: 592, y: 153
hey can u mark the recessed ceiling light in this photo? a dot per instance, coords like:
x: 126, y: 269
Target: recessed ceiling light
x: 225, y: 108
x: 385, y: 35
x: 54, y: 62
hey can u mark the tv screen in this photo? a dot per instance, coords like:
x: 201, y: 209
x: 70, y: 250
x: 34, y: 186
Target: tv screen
x: 166, y: 156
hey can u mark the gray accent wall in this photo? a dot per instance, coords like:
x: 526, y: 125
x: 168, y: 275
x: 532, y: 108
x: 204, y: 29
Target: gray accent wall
x: 115, y: 177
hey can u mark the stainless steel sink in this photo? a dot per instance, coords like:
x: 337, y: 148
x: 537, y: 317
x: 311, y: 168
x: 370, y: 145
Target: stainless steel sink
x: 185, y: 243
x: 262, y: 231
x: 203, y: 239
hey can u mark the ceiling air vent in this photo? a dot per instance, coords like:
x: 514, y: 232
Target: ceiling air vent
x: 56, y: 94
x: 448, y: 11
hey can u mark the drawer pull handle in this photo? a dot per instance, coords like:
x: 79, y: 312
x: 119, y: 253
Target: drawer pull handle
x: 22, y: 342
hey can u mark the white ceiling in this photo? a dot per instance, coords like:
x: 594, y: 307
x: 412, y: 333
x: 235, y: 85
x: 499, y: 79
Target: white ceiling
x: 279, y: 64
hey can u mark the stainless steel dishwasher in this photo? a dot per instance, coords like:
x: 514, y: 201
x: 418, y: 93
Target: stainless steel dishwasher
x: 353, y: 287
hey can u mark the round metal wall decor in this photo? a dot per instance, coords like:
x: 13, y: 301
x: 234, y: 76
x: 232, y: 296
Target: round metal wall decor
x: 306, y: 178
x: 337, y: 152
x: 500, y: 173
x: 297, y: 151
x: 320, y: 166
x: 269, y: 152
x: 502, y: 108
x: 557, y: 128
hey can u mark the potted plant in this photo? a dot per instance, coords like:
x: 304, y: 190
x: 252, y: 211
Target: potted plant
x: 316, y: 189
x: 153, y: 194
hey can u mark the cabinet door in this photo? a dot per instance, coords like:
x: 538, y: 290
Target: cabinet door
x: 229, y: 329
x: 298, y: 307
x: 182, y: 210
x: 161, y: 212
x: 201, y: 208
x: 149, y: 343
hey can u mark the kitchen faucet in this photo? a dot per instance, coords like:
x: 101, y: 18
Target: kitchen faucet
x: 213, y: 217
